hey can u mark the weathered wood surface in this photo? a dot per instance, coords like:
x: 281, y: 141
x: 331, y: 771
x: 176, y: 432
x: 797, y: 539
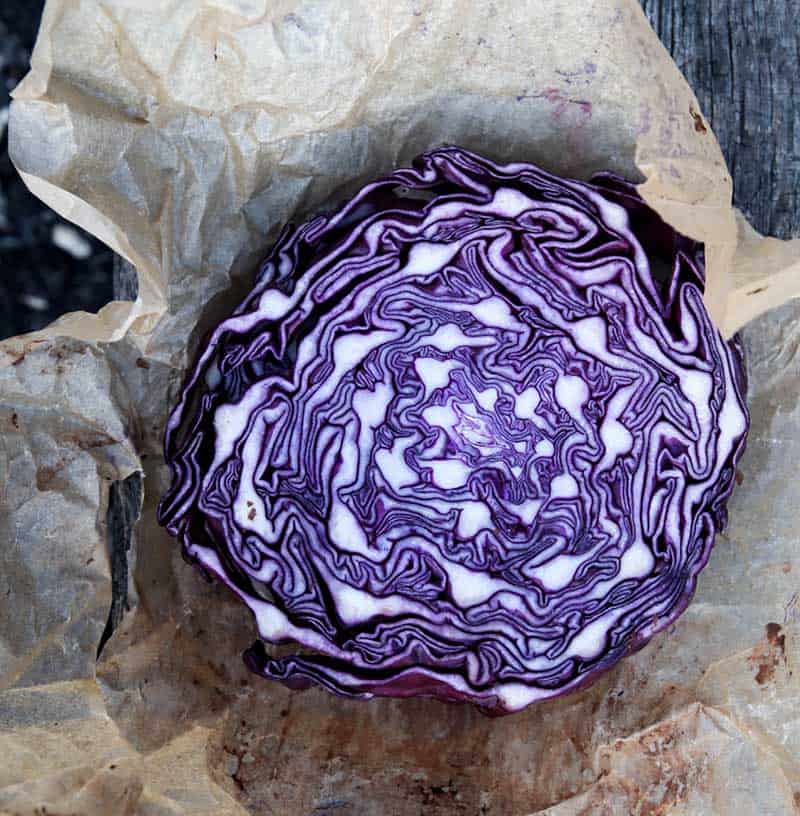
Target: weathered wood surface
x: 124, y: 506
x: 741, y: 59
x: 126, y: 286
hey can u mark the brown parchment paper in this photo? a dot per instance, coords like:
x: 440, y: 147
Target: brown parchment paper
x: 184, y: 133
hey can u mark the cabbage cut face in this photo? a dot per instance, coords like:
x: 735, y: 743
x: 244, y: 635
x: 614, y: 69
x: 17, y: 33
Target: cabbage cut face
x: 469, y: 437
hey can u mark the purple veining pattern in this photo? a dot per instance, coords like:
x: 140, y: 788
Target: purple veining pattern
x: 469, y: 437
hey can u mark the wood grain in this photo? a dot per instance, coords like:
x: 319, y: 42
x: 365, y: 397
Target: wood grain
x: 124, y: 506
x: 741, y: 58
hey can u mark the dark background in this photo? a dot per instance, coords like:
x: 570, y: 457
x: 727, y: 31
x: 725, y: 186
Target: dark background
x: 39, y: 280
x: 740, y: 56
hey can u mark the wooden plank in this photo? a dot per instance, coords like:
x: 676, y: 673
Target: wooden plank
x: 124, y: 507
x: 741, y: 59
x: 126, y: 284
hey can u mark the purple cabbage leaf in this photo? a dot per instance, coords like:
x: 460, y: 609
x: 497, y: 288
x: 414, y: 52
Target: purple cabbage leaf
x: 471, y: 436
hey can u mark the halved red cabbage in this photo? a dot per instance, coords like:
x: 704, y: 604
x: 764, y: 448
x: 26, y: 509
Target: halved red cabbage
x: 470, y: 437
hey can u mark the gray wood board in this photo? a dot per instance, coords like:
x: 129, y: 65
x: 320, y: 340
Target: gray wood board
x: 741, y: 59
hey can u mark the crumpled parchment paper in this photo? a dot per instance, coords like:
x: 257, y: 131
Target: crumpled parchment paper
x: 184, y: 133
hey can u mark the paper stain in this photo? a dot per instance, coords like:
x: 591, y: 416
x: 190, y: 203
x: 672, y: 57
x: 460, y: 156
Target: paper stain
x: 655, y: 772
x: 699, y: 125
x: 768, y: 655
x: 562, y: 104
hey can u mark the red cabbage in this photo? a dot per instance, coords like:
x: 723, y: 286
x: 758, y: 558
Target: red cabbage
x: 469, y: 437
